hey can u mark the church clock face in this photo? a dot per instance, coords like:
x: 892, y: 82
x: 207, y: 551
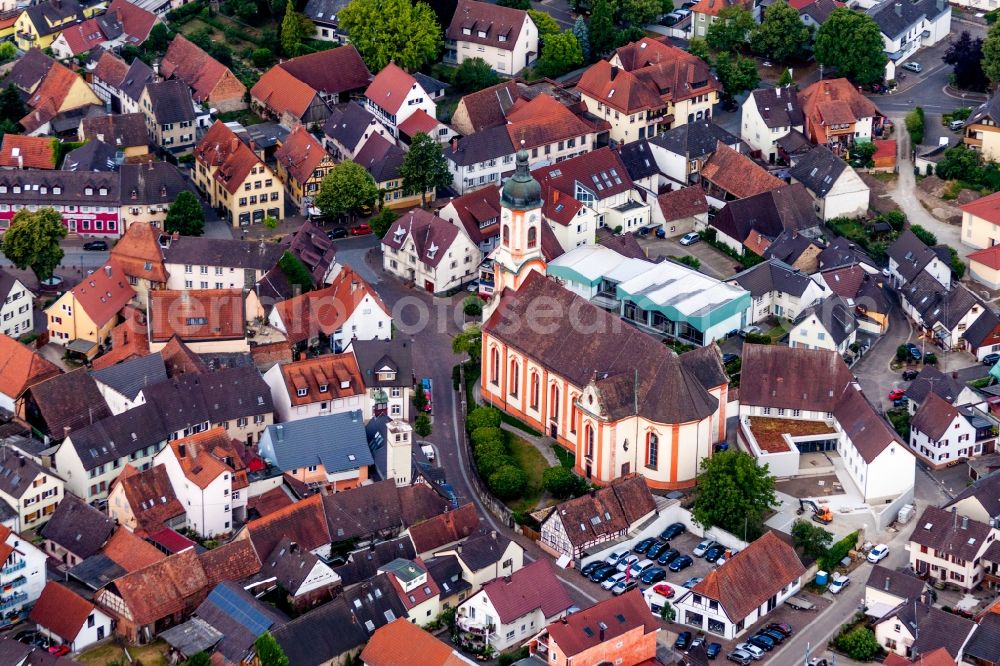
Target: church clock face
x: 533, y: 218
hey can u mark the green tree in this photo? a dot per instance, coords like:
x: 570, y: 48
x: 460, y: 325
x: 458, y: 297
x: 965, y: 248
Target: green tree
x: 960, y: 163
x: 965, y: 55
x: 419, y: 398
x: 851, y: 42
x: 859, y: 644
x: 582, y: 37
x: 490, y: 457
x: 382, y: 222
x: 422, y: 425
x: 914, y: 121
x: 731, y: 30
x: 483, y: 435
x: 515, y: 4
x: 561, y: 54
x: 32, y: 241
x: 925, y: 237
x: 786, y: 78
x: 384, y: 30
x: 733, y: 493
x: 699, y: 47
x: 345, y: 189
x: 271, y: 222
x: 562, y: 482
x: 508, y: 482
x: 11, y: 106
x: 295, y: 29
x: 185, y: 216
x: 483, y: 417
x: 472, y: 306
x: 736, y: 74
x: 295, y: 271
x: 424, y: 168
x: 269, y: 653
x: 629, y: 34
x: 639, y: 13
x: 902, y: 353
x: 262, y: 57
x: 158, y: 40
x: 991, y: 54
x: 781, y: 35
x: 864, y: 151
x: 475, y: 74
x: 8, y: 51
x: 470, y: 341
x: 812, y: 539
x: 601, y: 28
x: 546, y: 25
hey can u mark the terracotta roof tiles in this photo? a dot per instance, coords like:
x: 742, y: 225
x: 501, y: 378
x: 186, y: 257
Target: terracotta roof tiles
x: 986, y: 208
x: 162, y: 589
x: 445, y: 528
x: 606, y: 620
x: 325, y: 310
x: 542, y: 121
x: 28, y: 152
x: 281, y: 92
x: 193, y: 66
x: 61, y: 611
x: 194, y: 315
x: 737, y: 174
x: 150, y: 496
x: 402, y: 642
x: 682, y: 203
x: 20, y: 367
x: 486, y: 24
x: 533, y: 587
x: 326, y: 377
x: 221, y: 148
x: 130, y: 552
x: 389, y: 88
x: 138, y: 253
x: 300, y: 154
x: 304, y: 522
x: 136, y: 21
x: 233, y: 561
x: 111, y: 69
x: 331, y: 71
x: 104, y: 293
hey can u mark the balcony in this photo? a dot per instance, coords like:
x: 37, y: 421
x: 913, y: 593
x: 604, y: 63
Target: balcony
x: 13, y: 600
x: 17, y: 566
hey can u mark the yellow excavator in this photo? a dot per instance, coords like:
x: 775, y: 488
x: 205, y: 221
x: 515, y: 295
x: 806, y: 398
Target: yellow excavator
x: 821, y: 512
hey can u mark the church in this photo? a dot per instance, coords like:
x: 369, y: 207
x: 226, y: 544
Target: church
x: 619, y: 399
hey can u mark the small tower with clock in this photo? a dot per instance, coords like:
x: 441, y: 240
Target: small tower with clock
x: 520, y: 249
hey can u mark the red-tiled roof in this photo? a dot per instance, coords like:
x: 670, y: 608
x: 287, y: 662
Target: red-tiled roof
x: 673, y: 72
x: 223, y: 149
x: 986, y: 208
x: 139, y: 254
x: 300, y: 154
x: 419, y: 121
x: 194, y: 67
x: 150, y: 496
x: 49, y: 97
x: 542, y: 121
x: 162, y: 589
x: 737, y: 174
x: 331, y: 71
x: 531, y: 588
x: 200, y: 314
x: 445, y: 528
x: 325, y: 310
x: 201, y: 456
x: 713, y: 7
x: 103, y: 293
x: 479, y: 213
x: 601, y: 171
x: 136, y: 21
x: 617, y: 615
x: 682, y: 203
x: 304, y: 522
x: 934, y: 417
x: 989, y: 257
x: 402, y: 642
x: 884, y: 149
x: 833, y: 101
x: 486, y: 23
x: 390, y: 87
x: 110, y: 68
x: 234, y: 561
x: 28, y: 152
x: 752, y: 576
x: 281, y: 92
x: 82, y: 37
x: 129, y: 551
x: 61, y: 611
x: 20, y: 367
x: 172, y: 540
x: 338, y: 374
x: 619, y: 89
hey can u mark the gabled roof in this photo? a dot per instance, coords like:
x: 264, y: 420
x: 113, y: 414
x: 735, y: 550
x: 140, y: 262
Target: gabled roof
x: 986, y: 208
x: 206, y: 455
x: 606, y: 511
x: 984, y: 646
x: 445, y: 528
x: 304, y: 522
x: 770, y: 213
x: 196, y: 315
x: 180, y: 360
x: 126, y: 130
x: 896, y: 18
x: 28, y: 152
x: 819, y: 10
x: 330, y: 71
x: 933, y: 380
x: 290, y: 565
x: 936, y: 305
x: 619, y: 89
x: 604, y: 622
x: 325, y: 310
x: 281, y: 92
x: 50, y: 96
x: 404, y: 642
x: 110, y: 68
x: 68, y: 402
x: 82, y: 37
x: 778, y: 107
x: 30, y: 69
x: 542, y: 121
x: 833, y: 102
x: 193, y: 66
x: 389, y: 88
x: 348, y: 124
x: 672, y: 71
x: 160, y: 589
x: 300, y: 154
x: 236, y: 560
x: 221, y: 148
x: 103, y: 293
x: 479, y: 211
x: 533, y: 587
x: 818, y: 170
x: 312, y: 247
x: 381, y: 158
x: 419, y: 121
x: 432, y: 236
x: 737, y: 174
x: 985, y: 330
x: 949, y: 534
x: 713, y: 7
x: 78, y: 527
x: 487, y: 144
x: 136, y: 78
x: 136, y: 21
x: 793, y: 378
x: 335, y: 441
x: 363, y: 564
x: 910, y: 255
x: 92, y: 156
x: 239, y: 616
x: 234, y: 253
x: 487, y: 24
x: 21, y: 367
x: 50, y: 17
x: 638, y: 160
x: 834, y: 315
x: 934, y: 416
x: 150, y: 496
x: 323, y: 378
x: 130, y: 377
x: 489, y: 107
x: 600, y: 171
x: 752, y: 576
x: 989, y: 257
x: 61, y: 611
x: 932, y: 628
x: 773, y: 275
x: 901, y: 584
x: 171, y: 101
x: 324, y: 11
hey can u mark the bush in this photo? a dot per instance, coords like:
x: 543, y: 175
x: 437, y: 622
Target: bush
x: 915, y: 126
x: 902, y: 353
x: 757, y: 339
x: 508, y: 482
x: 926, y: 237
x: 562, y: 482
x: 839, y: 551
x: 422, y: 426
x: 491, y: 459
x: 688, y: 260
x: 957, y: 265
x: 483, y: 417
x: 486, y: 434
x: 859, y: 644
x: 472, y: 306
x: 895, y: 218
x: 900, y: 420
x: 509, y: 658
x: 262, y: 57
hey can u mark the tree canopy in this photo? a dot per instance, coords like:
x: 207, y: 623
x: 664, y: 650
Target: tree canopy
x: 812, y: 539
x: 601, y: 28
x: 781, y: 35
x: 639, y: 12
x: 295, y: 29
x: 185, y: 216
x: 345, y: 189
x: 269, y: 653
x: 965, y: 55
x: 474, y: 74
x: 851, y: 42
x: 384, y: 30
x: 582, y: 37
x: 731, y: 30
x: 424, y: 167
x: 469, y: 341
x: 560, y: 54
x: 736, y: 74
x: 991, y: 54
x: 32, y: 241
x: 544, y: 22
x: 733, y: 493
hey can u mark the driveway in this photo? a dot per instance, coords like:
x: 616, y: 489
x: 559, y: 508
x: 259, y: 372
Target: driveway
x: 713, y: 262
x: 873, y: 371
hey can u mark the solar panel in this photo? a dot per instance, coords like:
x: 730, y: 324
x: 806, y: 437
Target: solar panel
x: 236, y: 608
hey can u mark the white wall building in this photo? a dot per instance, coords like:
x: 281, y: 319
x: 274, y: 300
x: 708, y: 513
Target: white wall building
x: 769, y: 114
x: 506, y: 38
x: 430, y: 252
x: 393, y: 96
x: 61, y: 610
x: 906, y: 26
x: 22, y: 577
x: 16, y: 316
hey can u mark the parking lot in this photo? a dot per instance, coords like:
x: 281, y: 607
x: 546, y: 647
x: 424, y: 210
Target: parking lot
x: 713, y: 262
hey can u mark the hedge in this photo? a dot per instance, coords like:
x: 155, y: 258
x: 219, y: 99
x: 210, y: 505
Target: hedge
x: 839, y: 551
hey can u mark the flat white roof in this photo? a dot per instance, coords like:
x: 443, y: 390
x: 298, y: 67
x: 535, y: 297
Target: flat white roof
x: 684, y: 289
x: 596, y: 262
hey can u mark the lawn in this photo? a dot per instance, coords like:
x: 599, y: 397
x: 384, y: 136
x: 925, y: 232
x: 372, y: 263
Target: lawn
x: 154, y: 654
x: 777, y: 332
x: 566, y: 458
x: 529, y: 459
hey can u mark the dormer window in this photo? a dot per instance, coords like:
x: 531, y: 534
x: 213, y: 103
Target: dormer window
x: 482, y: 34
x: 432, y: 250
x: 135, y: 194
x: 302, y: 392
x: 345, y: 384
x: 88, y: 191
x: 56, y: 190
x: 103, y: 191
x: 502, y: 38
x: 466, y: 31
x: 17, y: 189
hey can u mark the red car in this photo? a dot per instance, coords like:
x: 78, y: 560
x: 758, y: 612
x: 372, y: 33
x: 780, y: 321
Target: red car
x: 59, y: 650
x: 361, y: 230
x: 896, y: 394
x: 664, y: 589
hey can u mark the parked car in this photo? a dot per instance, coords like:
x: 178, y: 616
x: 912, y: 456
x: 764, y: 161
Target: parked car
x: 639, y: 567
x: 683, y: 640
x: 766, y: 643
x: 604, y: 573
x: 670, y: 19
x: 472, y: 287
x: 616, y: 556
x: 750, y: 330
x: 753, y: 650
x: 626, y: 562
x: 784, y: 628
x: 668, y: 556
x: 839, y: 582
x: 623, y: 586
x: 914, y: 351
x: 361, y: 230
x: 713, y: 650
x: 643, y: 546
x: 683, y: 11
x: 589, y: 569
x: 956, y: 125
x: 878, y: 553
x: 25, y: 636
x: 682, y: 562
x: 661, y: 232
x: 740, y: 657
x: 690, y: 239
x: 896, y: 394
x: 664, y: 590
x: 913, y: 66
x: 775, y: 636
x: 428, y: 387
x: 691, y: 582
x: 715, y: 552
x: 613, y: 580
x: 901, y: 402
x: 991, y: 359
x: 697, y: 642
x: 702, y: 548
x: 673, y: 531
x: 911, y: 374
x: 722, y: 560
x: 729, y: 357
x: 656, y: 549
x: 653, y: 575
x: 96, y: 245
x: 337, y: 232
x: 59, y: 650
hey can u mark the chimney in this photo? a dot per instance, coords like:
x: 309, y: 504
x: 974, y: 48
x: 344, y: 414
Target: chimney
x: 66, y: 430
x: 555, y: 195
x: 965, y: 522
x: 886, y: 583
x: 777, y: 92
x: 954, y: 515
x: 602, y: 627
x: 156, y: 68
x: 20, y: 161
x: 493, y: 534
x: 182, y: 450
x: 454, y: 144
x: 302, y: 356
x: 899, y: 9
x: 506, y: 579
x: 107, y: 271
x: 279, y: 432
x: 954, y: 374
x: 292, y: 547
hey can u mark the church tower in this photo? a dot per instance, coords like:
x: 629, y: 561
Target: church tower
x: 520, y: 248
